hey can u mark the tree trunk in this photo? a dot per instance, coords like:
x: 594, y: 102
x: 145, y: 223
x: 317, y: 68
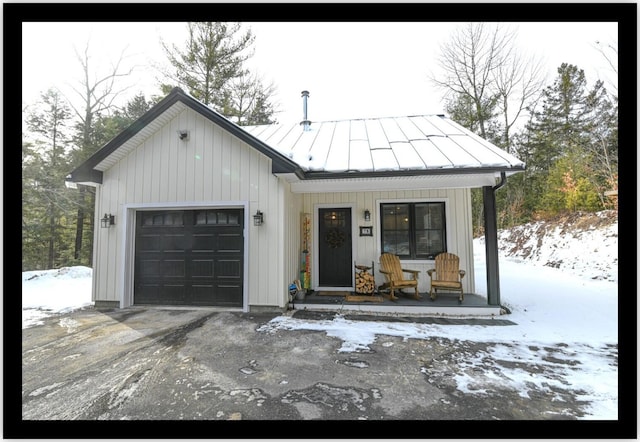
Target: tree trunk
x: 52, y: 232
x: 79, y: 223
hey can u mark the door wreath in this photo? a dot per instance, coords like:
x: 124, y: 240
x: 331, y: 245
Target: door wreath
x: 335, y: 238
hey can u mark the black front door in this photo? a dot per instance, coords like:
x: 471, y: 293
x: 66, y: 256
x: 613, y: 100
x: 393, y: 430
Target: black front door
x: 334, y: 248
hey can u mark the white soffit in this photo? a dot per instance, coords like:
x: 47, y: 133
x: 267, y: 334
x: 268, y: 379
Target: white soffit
x: 137, y: 139
x: 389, y: 183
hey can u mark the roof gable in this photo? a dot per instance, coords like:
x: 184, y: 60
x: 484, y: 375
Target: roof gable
x: 91, y: 170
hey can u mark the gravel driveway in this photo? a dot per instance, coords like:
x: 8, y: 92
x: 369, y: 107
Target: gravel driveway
x: 199, y: 364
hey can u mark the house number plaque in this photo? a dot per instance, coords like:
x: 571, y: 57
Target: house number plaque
x: 366, y: 231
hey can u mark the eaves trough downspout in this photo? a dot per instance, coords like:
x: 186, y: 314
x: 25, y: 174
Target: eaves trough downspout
x: 491, y: 240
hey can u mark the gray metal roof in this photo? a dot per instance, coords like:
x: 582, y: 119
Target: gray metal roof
x: 415, y: 143
x: 333, y: 150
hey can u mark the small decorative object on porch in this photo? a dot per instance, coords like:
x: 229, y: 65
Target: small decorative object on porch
x: 365, y: 285
x: 300, y: 292
x: 306, y: 251
x: 293, y: 289
x: 365, y: 281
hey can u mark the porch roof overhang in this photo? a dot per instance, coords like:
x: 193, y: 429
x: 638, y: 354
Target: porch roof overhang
x: 402, y: 180
x: 390, y: 147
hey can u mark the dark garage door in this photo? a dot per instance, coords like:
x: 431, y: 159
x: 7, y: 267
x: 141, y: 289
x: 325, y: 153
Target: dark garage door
x: 189, y: 257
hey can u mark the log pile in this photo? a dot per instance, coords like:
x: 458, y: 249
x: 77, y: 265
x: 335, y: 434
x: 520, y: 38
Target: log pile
x: 365, y: 281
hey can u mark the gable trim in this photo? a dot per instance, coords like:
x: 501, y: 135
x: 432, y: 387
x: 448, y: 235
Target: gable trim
x: 87, y: 173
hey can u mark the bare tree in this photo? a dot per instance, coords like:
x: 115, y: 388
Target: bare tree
x: 248, y: 100
x: 610, y: 53
x: 518, y: 82
x: 97, y: 94
x: 470, y: 60
x: 483, y: 67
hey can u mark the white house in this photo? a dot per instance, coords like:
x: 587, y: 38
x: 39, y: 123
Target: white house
x: 203, y: 212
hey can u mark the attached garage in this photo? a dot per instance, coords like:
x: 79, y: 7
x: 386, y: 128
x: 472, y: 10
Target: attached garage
x: 189, y: 257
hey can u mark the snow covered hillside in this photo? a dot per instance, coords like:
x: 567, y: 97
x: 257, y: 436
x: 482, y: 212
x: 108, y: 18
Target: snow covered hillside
x: 584, y: 244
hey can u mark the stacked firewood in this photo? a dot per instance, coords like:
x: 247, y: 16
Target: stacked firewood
x: 365, y: 281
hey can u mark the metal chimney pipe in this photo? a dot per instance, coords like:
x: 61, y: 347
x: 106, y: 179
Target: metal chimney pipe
x: 305, y: 122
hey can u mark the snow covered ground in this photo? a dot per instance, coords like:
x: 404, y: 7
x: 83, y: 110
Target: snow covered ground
x: 585, y: 245
x: 561, y: 289
x: 52, y: 292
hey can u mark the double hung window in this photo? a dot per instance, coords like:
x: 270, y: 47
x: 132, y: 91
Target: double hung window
x: 413, y: 230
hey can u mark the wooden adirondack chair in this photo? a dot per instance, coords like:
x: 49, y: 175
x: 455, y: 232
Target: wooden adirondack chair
x: 447, y: 275
x: 391, y: 268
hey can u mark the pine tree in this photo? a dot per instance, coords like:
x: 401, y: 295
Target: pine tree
x: 562, y: 121
x: 108, y: 127
x: 571, y: 145
x: 211, y: 68
x: 214, y: 55
x: 47, y: 203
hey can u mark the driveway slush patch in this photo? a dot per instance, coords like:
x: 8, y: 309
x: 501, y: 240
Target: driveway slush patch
x: 156, y: 364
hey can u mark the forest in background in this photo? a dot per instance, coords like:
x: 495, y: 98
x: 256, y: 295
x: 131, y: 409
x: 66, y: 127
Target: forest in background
x: 569, y: 140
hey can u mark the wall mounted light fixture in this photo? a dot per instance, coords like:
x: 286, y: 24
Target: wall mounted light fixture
x: 183, y: 135
x: 258, y: 218
x: 108, y: 220
x: 367, y: 215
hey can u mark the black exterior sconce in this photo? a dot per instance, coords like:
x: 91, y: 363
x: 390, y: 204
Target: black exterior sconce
x: 258, y: 218
x: 108, y: 220
x: 367, y: 215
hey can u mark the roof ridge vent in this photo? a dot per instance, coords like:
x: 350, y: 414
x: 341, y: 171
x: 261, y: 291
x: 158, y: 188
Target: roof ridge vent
x: 305, y: 121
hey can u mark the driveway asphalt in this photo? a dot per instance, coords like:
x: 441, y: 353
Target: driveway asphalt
x: 199, y: 364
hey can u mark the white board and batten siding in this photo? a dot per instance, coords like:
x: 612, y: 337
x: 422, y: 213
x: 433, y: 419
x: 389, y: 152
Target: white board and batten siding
x: 212, y: 169
x: 368, y: 248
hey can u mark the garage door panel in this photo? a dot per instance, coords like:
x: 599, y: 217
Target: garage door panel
x: 204, y: 242
x: 203, y: 294
x: 190, y: 257
x: 227, y: 295
x: 174, y: 268
x: 151, y: 267
x: 146, y: 293
x: 201, y: 268
x: 149, y: 243
x: 160, y: 294
x: 175, y: 242
x: 228, y: 268
x: 173, y: 294
x: 230, y: 242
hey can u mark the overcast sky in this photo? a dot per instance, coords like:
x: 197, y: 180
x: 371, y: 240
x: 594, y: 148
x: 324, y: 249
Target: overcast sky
x: 352, y: 70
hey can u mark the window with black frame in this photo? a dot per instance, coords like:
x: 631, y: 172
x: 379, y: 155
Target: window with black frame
x: 413, y: 230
